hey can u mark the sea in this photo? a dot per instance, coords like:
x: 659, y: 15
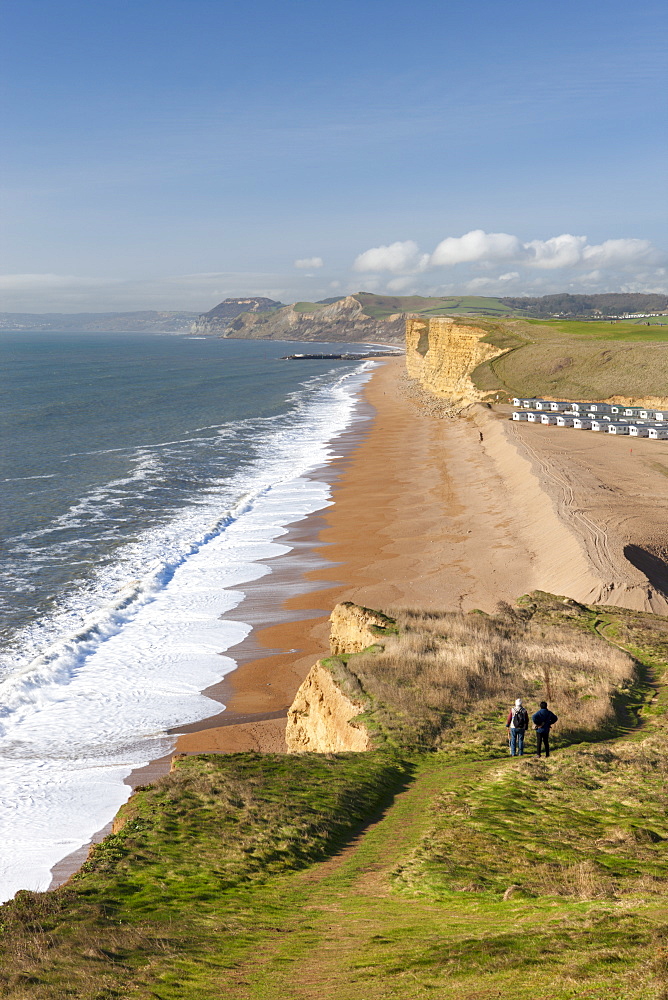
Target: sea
x: 145, y: 480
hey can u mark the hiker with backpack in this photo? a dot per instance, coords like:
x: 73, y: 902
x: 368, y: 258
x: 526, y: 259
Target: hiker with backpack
x: 542, y: 720
x: 517, y: 724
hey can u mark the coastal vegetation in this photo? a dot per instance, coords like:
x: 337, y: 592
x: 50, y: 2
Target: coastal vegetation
x: 377, y: 307
x: 432, y: 866
x: 467, y: 359
x: 382, y: 306
x: 568, y: 359
x: 444, y: 677
x: 167, y: 888
x: 576, y: 360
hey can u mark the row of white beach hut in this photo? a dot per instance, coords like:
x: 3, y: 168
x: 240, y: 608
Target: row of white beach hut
x: 550, y: 405
x: 631, y: 420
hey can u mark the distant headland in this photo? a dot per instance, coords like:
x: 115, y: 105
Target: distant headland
x: 363, y: 316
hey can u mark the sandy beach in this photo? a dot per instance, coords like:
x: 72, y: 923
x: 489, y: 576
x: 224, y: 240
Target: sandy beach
x: 448, y: 513
x: 431, y: 511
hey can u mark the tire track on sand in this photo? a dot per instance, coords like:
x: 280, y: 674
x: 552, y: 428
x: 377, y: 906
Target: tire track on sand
x: 611, y: 567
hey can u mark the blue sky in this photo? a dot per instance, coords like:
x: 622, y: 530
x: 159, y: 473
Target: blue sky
x: 169, y: 153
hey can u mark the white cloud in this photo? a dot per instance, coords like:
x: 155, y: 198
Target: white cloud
x: 398, y: 258
x: 371, y: 284
x: 480, y: 285
x: 475, y: 246
x: 572, y: 259
x: 306, y: 263
x: 559, y: 251
x: 401, y: 284
x: 618, y: 253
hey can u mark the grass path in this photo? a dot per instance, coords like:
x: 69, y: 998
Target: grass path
x: 210, y: 888
x: 342, y: 911
x: 344, y: 929
x: 340, y: 930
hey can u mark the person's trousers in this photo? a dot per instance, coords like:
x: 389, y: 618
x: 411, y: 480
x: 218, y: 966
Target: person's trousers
x: 516, y: 742
x: 543, y: 740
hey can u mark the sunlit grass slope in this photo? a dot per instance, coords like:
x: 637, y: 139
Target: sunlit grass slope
x: 575, y: 360
x: 381, y: 306
x: 250, y: 876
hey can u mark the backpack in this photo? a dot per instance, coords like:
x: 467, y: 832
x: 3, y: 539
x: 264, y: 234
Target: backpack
x: 520, y: 719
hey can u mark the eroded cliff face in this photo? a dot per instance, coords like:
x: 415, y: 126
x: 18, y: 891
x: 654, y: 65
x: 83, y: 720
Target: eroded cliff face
x: 354, y: 628
x: 342, y: 321
x: 441, y: 353
x: 322, y: 718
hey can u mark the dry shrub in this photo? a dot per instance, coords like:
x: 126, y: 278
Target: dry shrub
x: 586, y: 880
x: 444, y: 664
x: 85, y: 958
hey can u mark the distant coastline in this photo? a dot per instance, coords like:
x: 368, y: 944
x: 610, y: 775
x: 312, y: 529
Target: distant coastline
x: 363, y: 316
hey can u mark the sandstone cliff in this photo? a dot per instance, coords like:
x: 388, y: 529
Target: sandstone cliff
x: 343, y: 321
x: 321, y: 718
x: 441, y: 354
x: 354, y: 628
x: 324, y: 715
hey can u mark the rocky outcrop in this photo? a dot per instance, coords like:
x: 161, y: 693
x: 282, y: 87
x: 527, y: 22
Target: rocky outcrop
x: 441, y: 354
x: 218, y: 319
x: 343, y: 321
x: 354, y: 628
x: 321, y: 718
x: 324, y: 717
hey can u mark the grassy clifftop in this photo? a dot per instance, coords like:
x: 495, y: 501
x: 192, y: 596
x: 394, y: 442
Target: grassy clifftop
x: 576, y: 360
x: 163, y: 900
x: 443, y: 680
x: 435, y: 866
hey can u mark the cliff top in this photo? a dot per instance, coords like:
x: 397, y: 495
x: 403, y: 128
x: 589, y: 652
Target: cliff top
x: 230, y: 308
x: 625, y: 360
x: 442, y: 873
x: 445, y: 873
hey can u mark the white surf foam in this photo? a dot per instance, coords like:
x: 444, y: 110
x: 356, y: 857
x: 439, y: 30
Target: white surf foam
x: 118, y: 666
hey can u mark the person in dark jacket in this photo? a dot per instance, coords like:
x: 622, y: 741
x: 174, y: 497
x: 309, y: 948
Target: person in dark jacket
x: 517, y: 724
x: 543, y: 720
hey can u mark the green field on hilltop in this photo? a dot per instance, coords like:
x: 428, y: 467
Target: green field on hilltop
x: 631, y: 329
x: 309, y: 307
x: 381, y: 306
x: 567, y: 359
x: 440, y: 869
x: 559, y: 358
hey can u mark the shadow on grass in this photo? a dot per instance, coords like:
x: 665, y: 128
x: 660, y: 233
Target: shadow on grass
x: 602, y: 942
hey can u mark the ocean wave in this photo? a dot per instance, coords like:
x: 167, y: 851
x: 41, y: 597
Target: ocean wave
x: 124, y: 658
x: 23, y: 479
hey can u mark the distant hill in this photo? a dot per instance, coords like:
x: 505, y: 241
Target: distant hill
x: 381, y: 306
x: 611, y: 304
x: 343, y: 320
x: 222, y: 315
x: 120, y: 322
x: 365, y: 316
